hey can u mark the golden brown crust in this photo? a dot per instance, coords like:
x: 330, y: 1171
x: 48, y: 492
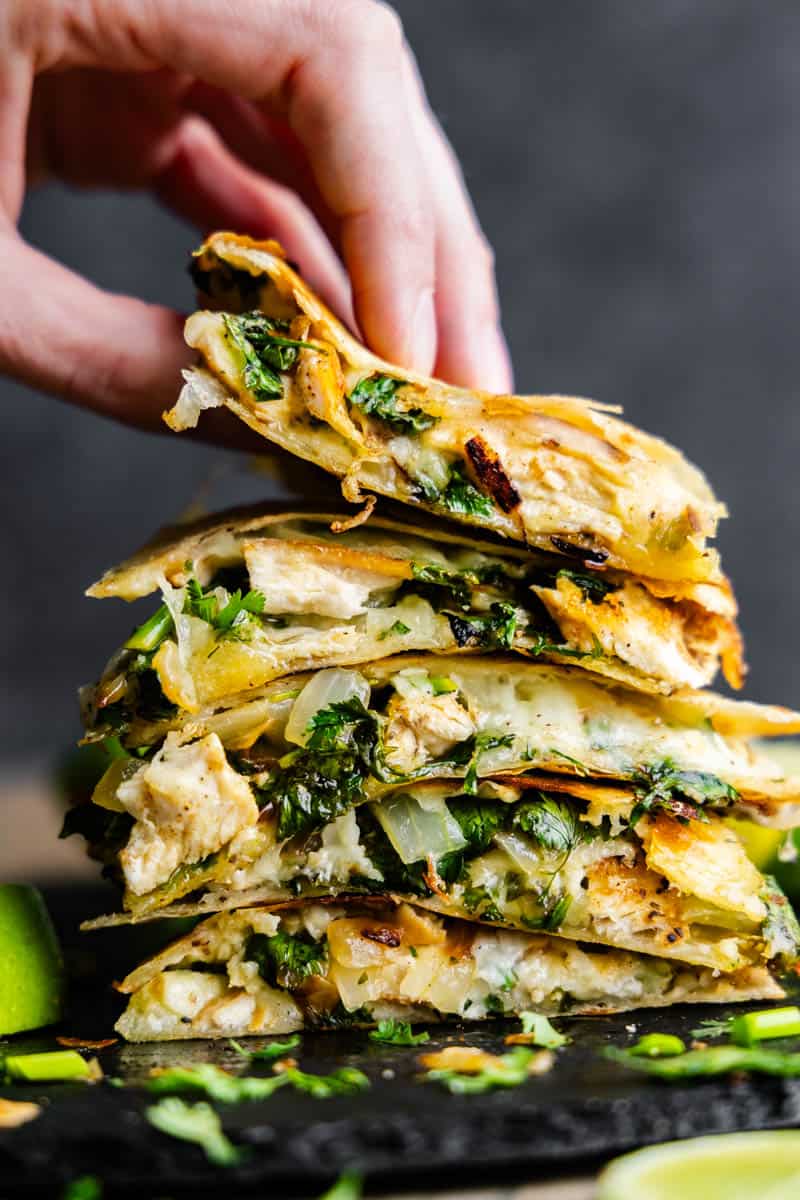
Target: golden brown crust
x: 581, y: 475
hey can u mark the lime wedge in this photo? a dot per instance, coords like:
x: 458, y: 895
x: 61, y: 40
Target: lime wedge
x: 31, y: 973
x: 736, y: 1166
x: 760, y: 843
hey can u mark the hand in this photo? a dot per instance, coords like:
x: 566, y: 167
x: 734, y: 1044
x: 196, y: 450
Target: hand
x: 303, y: 120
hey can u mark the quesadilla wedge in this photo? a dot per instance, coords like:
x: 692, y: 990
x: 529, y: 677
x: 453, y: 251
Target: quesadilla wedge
x: 263, y: 971
x: 313, y: 744
x: 558, y: 474
x: 256, y: 594
x: 588, y: 861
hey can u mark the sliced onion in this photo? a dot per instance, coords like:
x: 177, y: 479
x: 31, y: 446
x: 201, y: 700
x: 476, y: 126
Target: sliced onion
x: 327, y: 687
x: 413, y: 681
x: 524, y: 855
x: 419, y: 830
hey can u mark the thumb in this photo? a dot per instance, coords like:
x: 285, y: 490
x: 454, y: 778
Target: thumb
x: 111, y: 353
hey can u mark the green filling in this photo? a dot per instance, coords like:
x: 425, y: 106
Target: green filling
x: 376, y: 396
x: 266, y: 351
x: 285, y: 959
x: 326, y: 777
x: 681, y: 793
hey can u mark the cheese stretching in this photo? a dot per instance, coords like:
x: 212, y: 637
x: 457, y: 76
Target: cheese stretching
x: 257, y: 971
x: 329, y: 599
x: 554, y: 473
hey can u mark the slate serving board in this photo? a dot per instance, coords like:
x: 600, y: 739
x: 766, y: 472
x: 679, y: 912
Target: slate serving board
x: 401, y: 1133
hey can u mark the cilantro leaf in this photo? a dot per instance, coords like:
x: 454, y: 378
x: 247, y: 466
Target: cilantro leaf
x: 541, y: 1032
x: 214, y: 1082
x: 266, y: 351
x: 510, y: 1070
x: 480, y: 903
x: 487, y: 631
x: 461, y: 496
x: 682, y: 793
x: 712, y: 1027
x: 194, y: 1123
x: 228, y: 620
x: 594, y: 587
x: 552, y: 919
x: 480, y: 820
x: 397, y: 1033
x: 472, y: 750
x: 375, y: 396
x: 455, y: 587
x: 550, y: 821
x: 266, y: 1053
x: 285, y: 959
x: 345, y: 1081
x: 327, y: 776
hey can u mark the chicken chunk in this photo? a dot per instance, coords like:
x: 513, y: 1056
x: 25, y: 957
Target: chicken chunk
x: 187, y: 803
x: 423, y: 728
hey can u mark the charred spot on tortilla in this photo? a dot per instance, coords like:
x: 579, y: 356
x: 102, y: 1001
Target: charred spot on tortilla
x: 490, y: 474
x: 588, y: 555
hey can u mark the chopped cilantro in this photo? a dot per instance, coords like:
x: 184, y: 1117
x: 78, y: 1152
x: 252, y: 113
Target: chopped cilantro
x: 550, y: 821
x: 469, y: 753
x: 682, y: 793
x: 227, y: 621
x: 461, y: 496
x: 487, y: 631
x: 397, y: 629
x: 397, y: 1033
x: 480, y: 903
x: 510, y: 1070
x: 345, y: 1081
x: 266, y: 1053
x: 376, y: 396
x: 552, y: 919
x: 285, y: 959
x: 480, y: 820
x: 454, y: 585
x: 541, y: 1032
x: 214, y: 1082
x: 266, y: 351
x: 594, y: 587
x: 712, y: 1027
x: 194, y: 1123
x: 326, y: 777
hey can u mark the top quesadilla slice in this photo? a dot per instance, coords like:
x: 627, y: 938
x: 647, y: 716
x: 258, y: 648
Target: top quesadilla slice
x: 253, y: 595
x: 555, y: 473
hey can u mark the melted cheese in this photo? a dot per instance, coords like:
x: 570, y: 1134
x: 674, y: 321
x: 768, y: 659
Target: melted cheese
x: 454, y: 971
x: 579, y: 473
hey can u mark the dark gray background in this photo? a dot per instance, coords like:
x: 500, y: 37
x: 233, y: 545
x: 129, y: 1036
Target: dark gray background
x: 636, y: 166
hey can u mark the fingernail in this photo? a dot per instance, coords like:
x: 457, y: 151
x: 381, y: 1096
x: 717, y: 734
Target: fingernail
x: 421, y: 346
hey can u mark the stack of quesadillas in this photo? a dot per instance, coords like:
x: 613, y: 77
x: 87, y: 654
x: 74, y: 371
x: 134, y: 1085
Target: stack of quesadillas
x: 402, y: 767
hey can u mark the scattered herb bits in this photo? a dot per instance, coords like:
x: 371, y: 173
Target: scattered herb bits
x: 397, y: 1033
